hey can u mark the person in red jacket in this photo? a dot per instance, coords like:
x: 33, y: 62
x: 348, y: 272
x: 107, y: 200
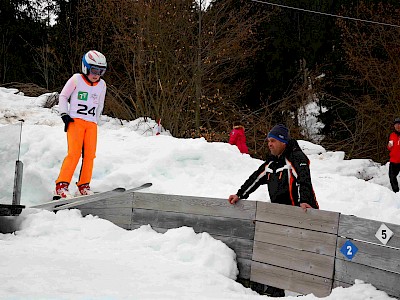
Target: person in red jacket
x: 394, y: 153
x: 238, y: 138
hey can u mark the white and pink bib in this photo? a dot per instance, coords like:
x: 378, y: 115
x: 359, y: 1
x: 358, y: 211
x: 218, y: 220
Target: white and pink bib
x: 86, y: 101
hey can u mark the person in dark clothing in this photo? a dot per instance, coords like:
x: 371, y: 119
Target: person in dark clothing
x: 286, y: 172
x: 394, y: 152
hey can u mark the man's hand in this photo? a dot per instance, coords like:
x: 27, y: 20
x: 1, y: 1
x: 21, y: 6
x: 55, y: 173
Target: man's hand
x: 66, y: 119
x: 233, y: 199
x: 304, y: 206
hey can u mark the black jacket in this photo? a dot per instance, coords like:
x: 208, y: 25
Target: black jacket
x: 288, y: 178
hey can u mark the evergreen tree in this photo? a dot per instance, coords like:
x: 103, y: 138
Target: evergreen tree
x: 20, y: 32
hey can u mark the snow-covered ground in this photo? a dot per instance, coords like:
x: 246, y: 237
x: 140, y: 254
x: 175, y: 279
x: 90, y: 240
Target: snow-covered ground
x: 67, y: 256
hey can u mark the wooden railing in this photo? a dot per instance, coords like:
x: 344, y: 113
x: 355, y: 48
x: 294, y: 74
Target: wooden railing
x: 275, y: 244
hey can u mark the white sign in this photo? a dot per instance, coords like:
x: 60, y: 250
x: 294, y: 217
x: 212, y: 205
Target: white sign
x: 384, y: 234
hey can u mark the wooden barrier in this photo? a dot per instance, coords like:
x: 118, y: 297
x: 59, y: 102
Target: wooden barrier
x: 276, y: 245
x: 294, y: 250
x: 373, y: 261
x: 231, y: 224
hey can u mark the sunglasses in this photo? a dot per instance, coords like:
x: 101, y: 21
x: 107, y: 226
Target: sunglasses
x: 97, y: 71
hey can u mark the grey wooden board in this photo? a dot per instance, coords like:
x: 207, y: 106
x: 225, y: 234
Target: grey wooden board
x: 238, y: 245
x: 302, y: 261
x: 377, y: 256
x: 244, y: 266
x: 297, y: 238
x: 313, y: 219
x: 242, y: 247
x: 109, y: 199
x: 211, y: 224
x: 347, y: 272
x: 290, y: 280
x: 196, y: 205
x: 365, y: 230
x: 122, y: 200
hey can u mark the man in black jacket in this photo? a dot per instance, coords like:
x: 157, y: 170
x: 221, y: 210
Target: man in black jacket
x: 287, y: 173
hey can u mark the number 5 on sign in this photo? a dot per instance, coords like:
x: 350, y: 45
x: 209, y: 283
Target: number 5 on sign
x: 384, y: 234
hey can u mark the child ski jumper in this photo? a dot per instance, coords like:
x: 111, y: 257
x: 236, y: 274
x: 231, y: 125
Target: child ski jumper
x: 85, y: 93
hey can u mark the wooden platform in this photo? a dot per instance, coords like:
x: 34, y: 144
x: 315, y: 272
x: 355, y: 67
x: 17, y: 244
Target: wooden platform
x: 275, y: 244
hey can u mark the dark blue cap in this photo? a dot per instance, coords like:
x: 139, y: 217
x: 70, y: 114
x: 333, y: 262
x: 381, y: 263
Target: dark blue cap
x: 280, y: 133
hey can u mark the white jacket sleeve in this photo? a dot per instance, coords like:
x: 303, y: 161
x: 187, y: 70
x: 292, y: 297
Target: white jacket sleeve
x: 101, y: 103
x: 65, y: 94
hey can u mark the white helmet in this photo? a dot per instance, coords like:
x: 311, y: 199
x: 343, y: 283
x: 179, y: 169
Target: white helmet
x: 94, y: 61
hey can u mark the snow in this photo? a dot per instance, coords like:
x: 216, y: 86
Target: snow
x: 67, y: 256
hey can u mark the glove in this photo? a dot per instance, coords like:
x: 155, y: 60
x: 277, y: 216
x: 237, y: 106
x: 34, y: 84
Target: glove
x: 66, y: 119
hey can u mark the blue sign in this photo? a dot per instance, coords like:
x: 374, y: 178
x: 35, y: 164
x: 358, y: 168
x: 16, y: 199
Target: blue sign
x: 349, y: 250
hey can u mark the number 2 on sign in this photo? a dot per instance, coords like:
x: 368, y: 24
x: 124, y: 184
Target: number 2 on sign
x: 349, y: 249
x: 84, y: 110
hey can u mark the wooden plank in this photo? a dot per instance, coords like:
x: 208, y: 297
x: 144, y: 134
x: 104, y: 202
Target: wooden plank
x: 196, y: 205
x: 313, y: 219
x: 363, y: 229
x: 213, y: 225
x: 347, y: 272
x: 290, y: 280
x: 302, y: 261
x: 122, y: 200
x: 244, y: 266
x: 242, y: 247
x: 120, y: 211
x: 296, y: 238
x: 377, y: 256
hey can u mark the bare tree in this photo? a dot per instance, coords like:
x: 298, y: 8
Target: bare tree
x: 372, y: 53
x: 164, y: 65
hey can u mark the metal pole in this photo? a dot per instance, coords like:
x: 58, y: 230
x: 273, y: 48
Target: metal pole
x: 19, y: 166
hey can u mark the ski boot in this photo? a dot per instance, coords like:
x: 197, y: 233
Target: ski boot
x: 84, y: 190
x: 62, y: 191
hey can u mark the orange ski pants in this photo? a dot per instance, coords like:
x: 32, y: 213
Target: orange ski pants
x: 82, y: 140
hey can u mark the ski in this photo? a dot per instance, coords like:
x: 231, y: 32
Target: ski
x: 55, y: 203
x: 93, y: 199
